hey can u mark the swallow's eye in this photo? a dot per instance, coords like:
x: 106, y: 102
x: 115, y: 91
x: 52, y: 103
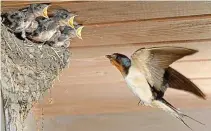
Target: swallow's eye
x: 125, y: 61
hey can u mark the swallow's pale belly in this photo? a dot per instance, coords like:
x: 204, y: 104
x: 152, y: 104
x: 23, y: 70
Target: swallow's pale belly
x: 137, y: 82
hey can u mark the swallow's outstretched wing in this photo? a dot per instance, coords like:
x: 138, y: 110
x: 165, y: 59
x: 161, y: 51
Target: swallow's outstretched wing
x: 154, y: 63
x: 178, y: 81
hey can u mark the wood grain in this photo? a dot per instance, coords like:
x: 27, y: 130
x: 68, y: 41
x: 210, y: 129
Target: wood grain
x: 144, y: 120
x: 95, y: 86
x: 99, y: 88
x: 104, y: 72
x: 98, y: 52
x: 145, y: 31
x: 111, y: 30
x: 126, y: 11
x: 95, y: 98
x: 111, y: 11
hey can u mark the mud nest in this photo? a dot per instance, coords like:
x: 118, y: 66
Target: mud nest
x: 27, y: 71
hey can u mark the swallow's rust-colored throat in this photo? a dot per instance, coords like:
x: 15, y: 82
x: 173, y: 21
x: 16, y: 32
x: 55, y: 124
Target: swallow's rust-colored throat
x: 116, y: 64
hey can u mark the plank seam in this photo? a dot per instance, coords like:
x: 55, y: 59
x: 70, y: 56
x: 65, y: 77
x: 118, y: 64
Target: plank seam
x: 145, y: 43
x: 176, y: 18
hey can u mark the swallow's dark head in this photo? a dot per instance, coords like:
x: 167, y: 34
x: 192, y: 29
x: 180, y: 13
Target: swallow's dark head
x: 121, y: 61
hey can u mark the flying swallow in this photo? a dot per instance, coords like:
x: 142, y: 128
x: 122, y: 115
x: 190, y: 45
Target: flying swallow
x: 148, y: 75
x: 65, y: 34
x: 22, y: 19
x: 49, y: 28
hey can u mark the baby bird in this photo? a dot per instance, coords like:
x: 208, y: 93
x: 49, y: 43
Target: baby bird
x: 49, y: 27
x: 34, y: 25
x: 36, y: 12
x: 67, y: 18
x: 63, y: 37
x: 14, y: 20
x: 19, y: 21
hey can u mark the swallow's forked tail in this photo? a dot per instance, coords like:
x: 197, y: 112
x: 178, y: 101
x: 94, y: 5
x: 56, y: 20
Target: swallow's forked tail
x: 166, y: 106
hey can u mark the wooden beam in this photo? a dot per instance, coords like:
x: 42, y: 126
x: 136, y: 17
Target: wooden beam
x: 109, y: 98
x: 145, y: 31
x: 110, y: 11
x: 89, y: 54
x: 103, y: 72
x: 136, y: 22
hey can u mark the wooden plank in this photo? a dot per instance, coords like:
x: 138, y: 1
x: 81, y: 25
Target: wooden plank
x: 142, y: 31
x: 90, y: 54
x: 109, y: 98
x: 102, y: 71
x: 105, y: 12
x: 143, y: 120
x: 145, y: 32
x: 98, y: 87
x: 13, y: 5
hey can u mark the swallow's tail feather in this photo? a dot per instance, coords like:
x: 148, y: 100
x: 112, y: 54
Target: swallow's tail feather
x: 166, y: 106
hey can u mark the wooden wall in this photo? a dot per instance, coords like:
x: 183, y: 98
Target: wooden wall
x: 91, y: 85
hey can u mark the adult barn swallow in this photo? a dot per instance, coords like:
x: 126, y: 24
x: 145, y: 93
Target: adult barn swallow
x: 148, y: 75
x: 63, y: 37
x: 22, y: 19
x: 49, y: 27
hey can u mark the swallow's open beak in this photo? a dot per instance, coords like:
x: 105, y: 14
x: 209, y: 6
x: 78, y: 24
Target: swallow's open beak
x: 71, y: 21
x: 78, y: 32
x: 45, y: 12
x: 109, y: 56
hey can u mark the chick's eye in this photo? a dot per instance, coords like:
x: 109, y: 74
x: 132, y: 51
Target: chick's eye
x: 65, y: 16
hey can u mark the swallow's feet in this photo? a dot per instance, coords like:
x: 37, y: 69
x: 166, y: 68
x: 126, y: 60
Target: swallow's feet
x: 140, y: 102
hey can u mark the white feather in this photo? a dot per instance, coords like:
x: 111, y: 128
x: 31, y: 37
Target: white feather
x: 137, y: 82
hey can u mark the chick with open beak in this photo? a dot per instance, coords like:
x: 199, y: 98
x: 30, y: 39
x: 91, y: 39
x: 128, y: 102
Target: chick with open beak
x: 21, y: 21
x: 78, y: 29
x: 63, y: 37
x: 50, y: 29
x: 65, y: 16
x: 40, y: 9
